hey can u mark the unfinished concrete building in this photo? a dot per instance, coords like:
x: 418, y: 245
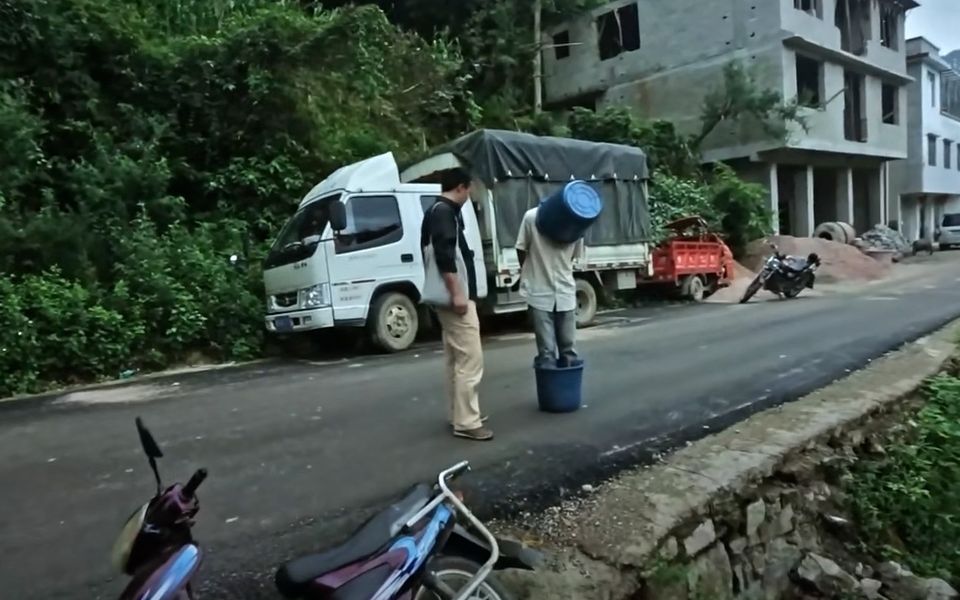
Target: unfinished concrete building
x: 845, y: 60
x: 927, y: 184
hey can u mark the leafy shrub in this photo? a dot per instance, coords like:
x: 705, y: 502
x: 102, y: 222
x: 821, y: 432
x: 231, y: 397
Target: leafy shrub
x: 666, y: 149
x: 673, y: 197
x: 180, y: 286
x: 908, y: 502
x: 173, y: 293
x: 56, y: 329
x: 727, y: 203
x: 143, y: 142
x: 741, y: 207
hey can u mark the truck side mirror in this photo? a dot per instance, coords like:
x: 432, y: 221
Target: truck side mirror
x: 338, y: 216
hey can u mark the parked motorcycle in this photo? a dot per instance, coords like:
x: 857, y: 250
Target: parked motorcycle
x: 785, y: 276
x: 413, y: 550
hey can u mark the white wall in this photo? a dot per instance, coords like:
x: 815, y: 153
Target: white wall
x: 941, y: 179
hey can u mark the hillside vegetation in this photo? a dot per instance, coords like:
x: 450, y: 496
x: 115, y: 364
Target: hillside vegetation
x: 143, y: 142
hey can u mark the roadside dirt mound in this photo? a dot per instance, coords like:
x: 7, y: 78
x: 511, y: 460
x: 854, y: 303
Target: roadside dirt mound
x: 840, y: 262
x: 742, y: 272
x: 731, y: 294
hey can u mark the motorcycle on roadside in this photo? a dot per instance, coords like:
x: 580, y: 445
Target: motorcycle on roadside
x: 415, y: 549
x: 785, y: 276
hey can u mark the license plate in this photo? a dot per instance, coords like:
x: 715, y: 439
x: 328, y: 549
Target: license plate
x: 283, y: 324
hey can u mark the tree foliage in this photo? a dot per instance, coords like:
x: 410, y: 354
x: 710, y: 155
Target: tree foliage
x: 741, y: 97
x: 144, y: 141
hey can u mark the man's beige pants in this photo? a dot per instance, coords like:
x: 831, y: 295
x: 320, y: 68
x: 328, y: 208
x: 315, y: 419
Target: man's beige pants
x: 461, y: 346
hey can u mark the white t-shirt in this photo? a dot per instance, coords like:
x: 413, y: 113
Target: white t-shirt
x: 547, y: 282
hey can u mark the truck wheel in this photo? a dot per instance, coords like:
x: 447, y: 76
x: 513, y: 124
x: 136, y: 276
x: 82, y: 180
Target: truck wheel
x: 693, y: 288
x: 393, y: 322
x: 586, y: 303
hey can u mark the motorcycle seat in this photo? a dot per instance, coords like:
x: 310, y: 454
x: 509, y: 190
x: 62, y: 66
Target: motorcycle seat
x: 294, y: 577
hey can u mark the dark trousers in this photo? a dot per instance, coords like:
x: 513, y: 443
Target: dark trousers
x: 556, y: 334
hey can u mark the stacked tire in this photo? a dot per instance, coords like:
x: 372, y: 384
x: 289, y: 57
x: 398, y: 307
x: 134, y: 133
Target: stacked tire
x: 836, y: 231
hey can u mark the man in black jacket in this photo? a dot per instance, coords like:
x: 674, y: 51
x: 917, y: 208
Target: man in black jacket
x: 443, y: 229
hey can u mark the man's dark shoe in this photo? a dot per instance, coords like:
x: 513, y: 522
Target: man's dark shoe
x: 480, y: 434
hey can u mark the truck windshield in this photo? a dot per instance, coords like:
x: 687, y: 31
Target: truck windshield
x: 299, y: 238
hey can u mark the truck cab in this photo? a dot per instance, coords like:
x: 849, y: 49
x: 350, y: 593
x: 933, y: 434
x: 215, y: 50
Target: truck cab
x: 365, y: 272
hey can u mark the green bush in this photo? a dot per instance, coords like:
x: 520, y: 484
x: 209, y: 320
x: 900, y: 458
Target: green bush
x: 673, y: 197
x: 143, y: 142
x: 740, y: 206
x: 727, y: 203
x: 53, y: 329
x: 172, y: 294
x: 908, y: 502
x: 666, y: 149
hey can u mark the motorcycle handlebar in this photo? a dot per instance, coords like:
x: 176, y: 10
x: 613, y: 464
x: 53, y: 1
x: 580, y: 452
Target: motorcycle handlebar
x: 191, y: 488
x: 455, y: 471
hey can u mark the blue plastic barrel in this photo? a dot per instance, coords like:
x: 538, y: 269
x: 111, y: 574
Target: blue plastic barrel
x: 559, y: 389
x: 565, y: 215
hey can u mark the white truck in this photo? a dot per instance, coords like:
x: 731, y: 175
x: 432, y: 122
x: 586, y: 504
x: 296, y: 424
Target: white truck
x: 351, y: 256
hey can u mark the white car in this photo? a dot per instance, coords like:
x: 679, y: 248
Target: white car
x: 949, y: 232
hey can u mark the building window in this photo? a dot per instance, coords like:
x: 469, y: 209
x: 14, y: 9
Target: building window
x: 618, y: 31
x: 854, y: 107
x: 947, y: 147
x: 809, y: 81
x: 852, y: 18
x: 931, y: 150
x: 889, y: 25
x: 812, y: 7
x: 561, y: 45
x: 932, y: 79
x: 891, y: 108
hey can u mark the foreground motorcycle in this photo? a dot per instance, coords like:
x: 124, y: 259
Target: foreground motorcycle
x: 413, y: 550
x: 785, y: 276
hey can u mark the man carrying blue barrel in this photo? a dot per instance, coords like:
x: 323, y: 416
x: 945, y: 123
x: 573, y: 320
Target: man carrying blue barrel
x: 549, y: 245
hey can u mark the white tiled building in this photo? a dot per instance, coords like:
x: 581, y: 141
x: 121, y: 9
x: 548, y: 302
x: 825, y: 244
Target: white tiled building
x: 927, y: 184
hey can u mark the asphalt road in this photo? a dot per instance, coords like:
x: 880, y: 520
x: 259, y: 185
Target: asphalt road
x: 299, y: 453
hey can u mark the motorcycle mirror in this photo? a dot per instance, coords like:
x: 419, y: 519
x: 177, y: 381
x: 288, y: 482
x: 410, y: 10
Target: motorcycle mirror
x: 151, y: 449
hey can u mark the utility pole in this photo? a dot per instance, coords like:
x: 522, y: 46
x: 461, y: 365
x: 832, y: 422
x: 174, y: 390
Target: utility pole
x: 537, y: 58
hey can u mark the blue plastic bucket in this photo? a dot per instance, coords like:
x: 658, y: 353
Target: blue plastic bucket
x: 565, y: 215
x: 559, y: 389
